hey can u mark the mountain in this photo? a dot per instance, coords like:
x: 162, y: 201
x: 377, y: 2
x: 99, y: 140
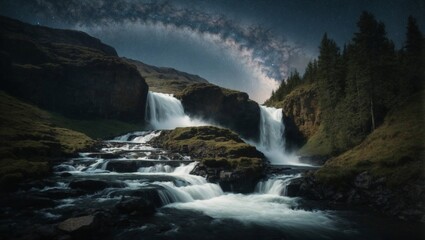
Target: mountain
x: 163, y: 79
x: 69, y: 72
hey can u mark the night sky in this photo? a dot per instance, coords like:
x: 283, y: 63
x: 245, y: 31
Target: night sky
x: 245, y: 45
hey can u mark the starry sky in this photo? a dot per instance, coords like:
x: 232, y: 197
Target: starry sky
x: 247, y: 45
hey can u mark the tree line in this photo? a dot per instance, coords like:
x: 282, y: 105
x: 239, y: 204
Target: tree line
x: 359, y: 84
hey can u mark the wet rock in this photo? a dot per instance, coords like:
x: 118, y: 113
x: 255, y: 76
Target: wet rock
x: 103, y: 155
x: 95, y: 185
x: 150, y: 194
x: 61, y: 193
x: 66, y: 174
x: 134, y: 165
x: 91, y: 226
x: 363, y: 180
x: 74, y: 224
x: 136, y: 206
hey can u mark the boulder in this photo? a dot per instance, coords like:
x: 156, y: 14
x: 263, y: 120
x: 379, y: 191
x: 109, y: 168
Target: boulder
x: 95, y: 185
x: 228, y: 108
x: 90, y: 226
x: 136, y: 206
x: 150, y: 194
x: 76, y: 223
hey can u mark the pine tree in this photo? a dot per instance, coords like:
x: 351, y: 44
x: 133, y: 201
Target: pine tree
x: 414, y: 54
x: 330, y: 80
x: 371, y: 75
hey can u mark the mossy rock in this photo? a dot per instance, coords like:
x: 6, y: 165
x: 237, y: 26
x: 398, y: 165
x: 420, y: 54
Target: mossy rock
x: 224, y: 157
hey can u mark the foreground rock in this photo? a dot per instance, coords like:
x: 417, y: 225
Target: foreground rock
x: 224, y: 157
x: 231, y: 109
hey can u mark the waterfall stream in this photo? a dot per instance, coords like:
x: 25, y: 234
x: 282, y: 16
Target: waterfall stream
x: 163, y: 111
x: 187, y: 204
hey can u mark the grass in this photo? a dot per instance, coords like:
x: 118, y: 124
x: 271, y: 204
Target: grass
x: 29, y: 140
x: 394, y: 151
x: 317, y: 145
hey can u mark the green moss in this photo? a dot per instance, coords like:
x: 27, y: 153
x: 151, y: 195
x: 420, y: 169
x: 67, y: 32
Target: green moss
x: 394, y: 151
x: 14, y: 171
x: 213, y: 146
x: 29, y: 139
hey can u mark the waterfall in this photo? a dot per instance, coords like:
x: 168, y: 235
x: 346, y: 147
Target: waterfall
x: 271, y: 128
x: 276, y: 186
x: 272, y: 140
x: 197, y: 189
x: 163, y: 111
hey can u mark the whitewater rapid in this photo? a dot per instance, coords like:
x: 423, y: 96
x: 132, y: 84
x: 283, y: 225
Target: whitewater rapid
x: 179, y: 189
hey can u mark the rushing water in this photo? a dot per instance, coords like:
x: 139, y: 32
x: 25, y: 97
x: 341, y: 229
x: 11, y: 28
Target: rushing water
x: 268, y: 207
x: 189, y: 206
x: 272, y: 141
x: 163, y: 111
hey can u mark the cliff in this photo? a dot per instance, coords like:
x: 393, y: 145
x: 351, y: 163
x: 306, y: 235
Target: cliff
x: 228, y: 108
x: 301, y: 115
x: 69, y: 72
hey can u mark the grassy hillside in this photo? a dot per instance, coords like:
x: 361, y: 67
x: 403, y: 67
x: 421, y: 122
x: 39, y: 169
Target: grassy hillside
x: 29, y: 139
x: 394, y: 151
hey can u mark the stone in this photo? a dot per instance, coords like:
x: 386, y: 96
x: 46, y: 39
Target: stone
x: 136, y: 206
x: 228, y: 108
x: 95, y: 185
x: 74, y: 224
x: 363, y: 180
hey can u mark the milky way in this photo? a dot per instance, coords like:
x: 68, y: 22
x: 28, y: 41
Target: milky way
x: 266, y: 55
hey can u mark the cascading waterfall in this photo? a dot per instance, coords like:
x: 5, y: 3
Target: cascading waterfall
x: 276, y: 186
x: 271, y: 128
x: 163, y: 111
x: 272, y: 140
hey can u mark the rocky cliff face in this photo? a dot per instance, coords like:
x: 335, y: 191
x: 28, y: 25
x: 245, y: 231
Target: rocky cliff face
x: 69, y: 72
x: 301, y: 115
x: 228, y: 108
